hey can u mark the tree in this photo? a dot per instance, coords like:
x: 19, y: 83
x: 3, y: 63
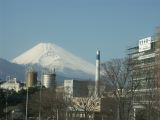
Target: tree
x: 119, y: 76
x: 52, y: 104
x: 2, y: 103
x: 88, y: 105
x: 9, y: 101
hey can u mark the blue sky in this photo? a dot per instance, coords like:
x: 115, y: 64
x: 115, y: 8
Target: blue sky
x: 79, y: 26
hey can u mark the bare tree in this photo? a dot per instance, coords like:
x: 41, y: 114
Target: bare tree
x: 53, y: 105
x: 88, y: 105
x: 119, y: 76
x: 85, y: 107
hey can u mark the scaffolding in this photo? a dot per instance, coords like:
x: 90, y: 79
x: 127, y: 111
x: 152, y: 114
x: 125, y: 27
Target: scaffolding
x: 157, y: 62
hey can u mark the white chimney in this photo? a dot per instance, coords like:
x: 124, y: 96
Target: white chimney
x: 97, y: 74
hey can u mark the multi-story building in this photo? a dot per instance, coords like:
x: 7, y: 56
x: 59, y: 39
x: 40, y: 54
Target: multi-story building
x: 143, y: 59
x: 145, y: 66
x: 76, y: 88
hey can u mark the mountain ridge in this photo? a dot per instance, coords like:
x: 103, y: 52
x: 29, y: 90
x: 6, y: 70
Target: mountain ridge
x: 11, y: 69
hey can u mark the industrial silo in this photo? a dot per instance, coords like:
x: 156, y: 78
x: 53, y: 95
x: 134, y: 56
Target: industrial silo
x: 31, y: 79
x: 48, y: 80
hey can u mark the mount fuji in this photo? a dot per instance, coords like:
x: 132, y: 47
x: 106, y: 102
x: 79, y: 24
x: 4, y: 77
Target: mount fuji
x: 50, y: 56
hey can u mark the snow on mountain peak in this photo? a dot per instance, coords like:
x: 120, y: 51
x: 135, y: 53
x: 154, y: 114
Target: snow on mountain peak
x: 51, y: 56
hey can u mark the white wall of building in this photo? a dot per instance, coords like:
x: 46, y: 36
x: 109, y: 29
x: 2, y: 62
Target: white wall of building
x: 11, y: 84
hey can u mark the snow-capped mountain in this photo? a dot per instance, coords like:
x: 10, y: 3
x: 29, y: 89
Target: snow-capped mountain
x: 47, y: 55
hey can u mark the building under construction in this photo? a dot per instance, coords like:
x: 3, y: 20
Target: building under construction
x: 145, y: 66
x: 145, y: 61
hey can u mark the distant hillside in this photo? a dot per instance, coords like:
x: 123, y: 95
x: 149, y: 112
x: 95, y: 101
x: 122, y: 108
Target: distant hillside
x: 14, y: 70
x: 11, y: 69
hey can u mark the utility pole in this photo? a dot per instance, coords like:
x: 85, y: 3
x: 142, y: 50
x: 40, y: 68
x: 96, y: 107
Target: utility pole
x: 6, y: 110
x: 12, y: 114
x: 6, y: 104
x: 134, y: 113
x: 40, y: 100
x: 57, y: 114
x: 27, y: 105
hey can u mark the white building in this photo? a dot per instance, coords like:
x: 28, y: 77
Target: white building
x: 11, y: 84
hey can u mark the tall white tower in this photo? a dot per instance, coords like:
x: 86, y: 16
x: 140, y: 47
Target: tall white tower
x: 97, y: 74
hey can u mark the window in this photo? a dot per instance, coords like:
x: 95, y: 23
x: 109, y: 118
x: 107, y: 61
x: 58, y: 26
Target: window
x: 97, y: 104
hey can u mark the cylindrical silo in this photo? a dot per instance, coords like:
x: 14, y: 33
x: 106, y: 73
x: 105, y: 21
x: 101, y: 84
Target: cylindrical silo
x: 31, y: 79
x: 48, y: 80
